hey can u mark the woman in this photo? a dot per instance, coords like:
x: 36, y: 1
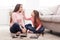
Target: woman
x: 17, y: 21
x: 38, y: 27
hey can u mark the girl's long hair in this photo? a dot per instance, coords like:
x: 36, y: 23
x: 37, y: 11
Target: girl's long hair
x: 17, y: 7
x: 36, y: 18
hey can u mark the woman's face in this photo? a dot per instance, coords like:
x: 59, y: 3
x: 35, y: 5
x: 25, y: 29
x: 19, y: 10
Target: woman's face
x: 21, y: 8
x: 32, y: 14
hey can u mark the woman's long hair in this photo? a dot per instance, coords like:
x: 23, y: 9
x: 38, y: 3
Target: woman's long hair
x: 17, y: 7
x: 36, y: 18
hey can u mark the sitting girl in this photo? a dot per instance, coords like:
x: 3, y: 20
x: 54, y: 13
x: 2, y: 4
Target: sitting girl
x: 37, y: 25
x: 17, y: 21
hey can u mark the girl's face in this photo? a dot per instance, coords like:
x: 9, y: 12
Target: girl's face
x: 32, y: 14
x: 21, y: 8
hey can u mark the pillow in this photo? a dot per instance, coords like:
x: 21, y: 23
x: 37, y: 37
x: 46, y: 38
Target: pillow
x: 58, y: 10
x: 49, y: 10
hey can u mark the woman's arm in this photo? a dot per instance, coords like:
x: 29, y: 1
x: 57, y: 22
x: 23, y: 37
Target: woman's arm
x: 14, y: 18
x: 38, y: 27
x: 25, y: 16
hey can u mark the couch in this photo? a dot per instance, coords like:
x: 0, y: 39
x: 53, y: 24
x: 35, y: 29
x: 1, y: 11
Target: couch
x: 51, y: 18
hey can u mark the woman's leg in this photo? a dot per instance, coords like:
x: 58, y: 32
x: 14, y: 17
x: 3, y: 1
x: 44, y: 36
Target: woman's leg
x: 15, y: 28
x: 29, y: 27
x: 41, y: 30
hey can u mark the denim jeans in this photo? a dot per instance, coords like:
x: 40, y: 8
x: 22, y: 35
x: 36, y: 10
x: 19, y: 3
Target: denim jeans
x: 29, y: 27
x: 15, y: 28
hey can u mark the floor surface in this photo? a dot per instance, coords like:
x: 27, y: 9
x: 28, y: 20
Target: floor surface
x: 5, y: 35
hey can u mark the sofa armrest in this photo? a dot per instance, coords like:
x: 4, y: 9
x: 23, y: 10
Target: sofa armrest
x: 50, y: 18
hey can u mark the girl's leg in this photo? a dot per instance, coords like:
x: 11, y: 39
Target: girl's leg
x: 15, y: 28
x: 29, y: 27
x: 41, y: 30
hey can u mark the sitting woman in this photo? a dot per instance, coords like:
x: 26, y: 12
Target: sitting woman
x: 16, y: 21
x: 37, y: 25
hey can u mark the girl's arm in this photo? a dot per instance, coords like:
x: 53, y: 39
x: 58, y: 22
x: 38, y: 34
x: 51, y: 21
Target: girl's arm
x: 38, y: 27
x: 14, y: 18
x: 26, y: 17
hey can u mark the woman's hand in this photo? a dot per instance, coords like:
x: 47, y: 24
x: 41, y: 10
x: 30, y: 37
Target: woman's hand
x: 24, y: 30
x: 38, y: 28
x: 23, y: 12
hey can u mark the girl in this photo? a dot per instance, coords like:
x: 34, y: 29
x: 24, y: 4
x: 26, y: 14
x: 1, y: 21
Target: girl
x: 38, y: 27
x: 17, y: 22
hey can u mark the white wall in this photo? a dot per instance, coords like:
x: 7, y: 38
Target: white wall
x: 29, y: 5
x: 8, y: 5
x: 48, y: 6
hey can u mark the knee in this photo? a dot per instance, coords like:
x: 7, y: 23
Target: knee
x: 43, y: 29
x: 28, y: 26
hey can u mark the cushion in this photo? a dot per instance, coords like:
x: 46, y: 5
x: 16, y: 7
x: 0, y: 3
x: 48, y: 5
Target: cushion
x: 56, y: 18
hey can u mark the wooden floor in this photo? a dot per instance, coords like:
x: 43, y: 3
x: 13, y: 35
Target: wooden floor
x: 5, y: 35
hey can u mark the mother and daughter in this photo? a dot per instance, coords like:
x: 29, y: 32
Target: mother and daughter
x: 17, y: 25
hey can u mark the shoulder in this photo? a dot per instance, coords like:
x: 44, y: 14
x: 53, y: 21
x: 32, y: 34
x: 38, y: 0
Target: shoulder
x: 14, y: 13
x: 31, y: 17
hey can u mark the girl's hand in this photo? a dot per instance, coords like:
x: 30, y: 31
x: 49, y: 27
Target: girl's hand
x: 38, y: 28
x: 24, y: 30
x: 22, y: 12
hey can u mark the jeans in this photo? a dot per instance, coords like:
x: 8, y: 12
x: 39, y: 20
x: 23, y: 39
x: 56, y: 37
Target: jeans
x: 15, y: 28
x: 29, y: 27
